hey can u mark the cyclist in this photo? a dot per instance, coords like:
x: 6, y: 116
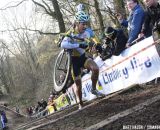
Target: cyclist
x: 78, y: 56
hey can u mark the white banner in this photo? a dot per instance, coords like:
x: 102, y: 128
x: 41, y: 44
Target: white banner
x: 136, y: 65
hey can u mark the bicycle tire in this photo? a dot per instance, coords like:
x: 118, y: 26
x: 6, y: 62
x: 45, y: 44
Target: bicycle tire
x: 63, y: 60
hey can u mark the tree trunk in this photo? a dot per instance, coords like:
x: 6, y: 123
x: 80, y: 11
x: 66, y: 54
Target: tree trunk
x: 119, y: 7
x: 56, y: 14
x: 100, y: 17
x: 59, y: 16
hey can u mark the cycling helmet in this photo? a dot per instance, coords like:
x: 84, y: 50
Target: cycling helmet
x: 80, y: 7
x: 81, y: 16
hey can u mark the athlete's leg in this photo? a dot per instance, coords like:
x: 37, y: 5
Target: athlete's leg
x: 91, y: 65
x: 78, y: 91
x: 76, y: 74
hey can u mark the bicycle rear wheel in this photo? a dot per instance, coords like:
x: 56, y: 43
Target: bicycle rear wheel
x: 62, y: 70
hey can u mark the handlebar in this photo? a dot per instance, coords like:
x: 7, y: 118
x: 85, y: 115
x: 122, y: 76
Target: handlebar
x: 72, y: 37
x: 87, y: 40
x: 62, y: 35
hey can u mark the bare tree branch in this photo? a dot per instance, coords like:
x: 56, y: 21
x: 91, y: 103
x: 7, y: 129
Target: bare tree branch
x: 50, y: 12
x: 33, y: 30
x: 13, y: 6
x: 47, y: 6
x: 4, y: 44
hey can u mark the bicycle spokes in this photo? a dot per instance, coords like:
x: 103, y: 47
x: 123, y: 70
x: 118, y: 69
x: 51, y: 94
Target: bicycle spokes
x: 61, y: 70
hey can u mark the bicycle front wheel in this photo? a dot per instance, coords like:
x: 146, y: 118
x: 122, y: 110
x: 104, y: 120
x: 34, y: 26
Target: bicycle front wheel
x: 62, y: 70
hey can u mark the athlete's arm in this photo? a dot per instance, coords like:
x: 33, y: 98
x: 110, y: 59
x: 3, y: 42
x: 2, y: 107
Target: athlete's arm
x: 68, y: 44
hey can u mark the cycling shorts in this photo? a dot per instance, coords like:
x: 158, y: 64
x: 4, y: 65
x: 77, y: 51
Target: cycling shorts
x: 77, y: 64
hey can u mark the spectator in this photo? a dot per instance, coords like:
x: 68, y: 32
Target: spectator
x: 121, y: 17
x: 152, y: 18
x: 52, y: 96
x: 134, y: 22
x: 67, y: 97
x: 114, y: 42
x: 51, y: 102
x: 44, y: 104
x: 3, y: 119
x: 29, y: 111
x: 39, y: 107
x: 50, y: 106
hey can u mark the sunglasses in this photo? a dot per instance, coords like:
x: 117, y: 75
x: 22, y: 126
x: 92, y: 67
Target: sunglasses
x: 83, y: 23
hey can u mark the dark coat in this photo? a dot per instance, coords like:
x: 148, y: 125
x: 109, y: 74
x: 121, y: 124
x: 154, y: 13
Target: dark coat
x: 152, y: 18
x: 115, y: 46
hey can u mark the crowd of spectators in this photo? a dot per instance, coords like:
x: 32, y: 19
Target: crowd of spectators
x: 140, y: 24
x: 53, y: 104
